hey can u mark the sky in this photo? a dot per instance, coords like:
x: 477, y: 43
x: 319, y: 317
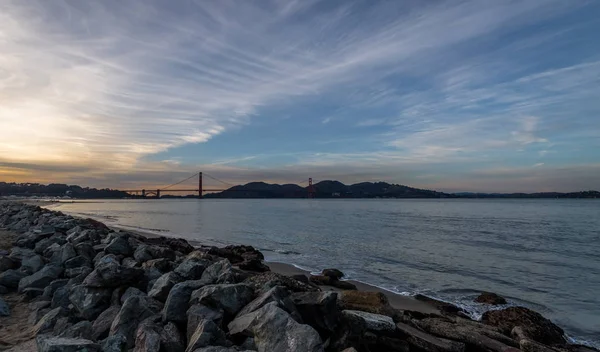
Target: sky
x: 482, y: 95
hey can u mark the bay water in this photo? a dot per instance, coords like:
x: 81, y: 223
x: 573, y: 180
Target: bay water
x: 539, y: 253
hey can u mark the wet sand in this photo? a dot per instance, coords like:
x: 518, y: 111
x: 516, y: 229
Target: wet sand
x: 397, y: 301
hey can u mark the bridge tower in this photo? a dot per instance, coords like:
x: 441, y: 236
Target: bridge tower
x: 311, y: 189
x: 143, y: 193
x: 200, y: 185
x: 158, y: 193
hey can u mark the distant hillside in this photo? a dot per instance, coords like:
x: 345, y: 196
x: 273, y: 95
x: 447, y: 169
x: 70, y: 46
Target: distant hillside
x: 57, y: 190
x: 584, y: 194
x: 327, y: 189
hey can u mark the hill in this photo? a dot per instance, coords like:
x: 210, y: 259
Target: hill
x: 57, y: 190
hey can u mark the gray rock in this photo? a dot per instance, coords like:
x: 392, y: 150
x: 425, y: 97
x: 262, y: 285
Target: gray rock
x: 163, y: 265
x: 163, y: 285
x: 171, y: 339
x: 373, y: 322
x: 85, y: 250
x: 277, y: 294
x: 266, y: 281
x: 130, y: 263
x: 132, y: 313
x: 78, y: 261
x: 142, y: 254
x: 220, y: 349
x: 60, y: 298
x: 42, y: 278
x: 317, y: 309
x: 66, y: 252
x: 82, y: 329
x: 229, y: 297
x: 38, y: 305
x: 7, y: 263
x: 10, y: 278
x: 220, y: 272
x: 109, y: 273
x: 199, y: 312
x: 48, y: 320
x: 101, y: 325
x: 207, y: 333
x: 53, y: 286
x: 83, y: 271
x: 29, y: 294
x: 115, y: 343
x: 130, y: 292
x: 274, y: 329
x: 3, y: 290
x: 18, y: 254
x: 177, y: 302
x: 36, y: 315
x: 45, y: 243
x: 4, y: 308
x: 192, y: 269
x: 119, y: 246
x: 147, y: 338
x: 90, y: 301
x: 425, y: 342
x: 61, y: 325
x: 64, y: 344
x: 32, y: 264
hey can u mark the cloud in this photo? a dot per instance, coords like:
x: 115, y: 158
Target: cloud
x: 98, y: 87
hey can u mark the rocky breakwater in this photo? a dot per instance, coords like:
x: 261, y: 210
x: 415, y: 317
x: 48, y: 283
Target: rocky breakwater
x: 90, y: 288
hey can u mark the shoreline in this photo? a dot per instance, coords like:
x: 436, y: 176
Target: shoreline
x: 396, y: 300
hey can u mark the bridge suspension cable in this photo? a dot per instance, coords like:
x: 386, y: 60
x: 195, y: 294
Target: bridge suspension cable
x: 216, y: 179
x: 180, y: 182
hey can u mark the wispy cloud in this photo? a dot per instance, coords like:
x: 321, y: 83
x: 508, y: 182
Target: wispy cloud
x: 100, y: 86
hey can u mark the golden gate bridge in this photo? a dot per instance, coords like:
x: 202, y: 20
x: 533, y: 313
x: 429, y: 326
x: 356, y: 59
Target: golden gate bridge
x: 156, y: 193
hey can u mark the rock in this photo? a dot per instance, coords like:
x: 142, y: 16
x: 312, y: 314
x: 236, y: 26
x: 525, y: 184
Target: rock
x: 274, y: 329
x: 177, y: 302
x: 442, y: 306
x: 199, y: 312
x: 229, y: 297
x: 10, y: 278
x: 163, y: 265
x: 32, y: 264
x: 192, y: 269
x: 321, y: 280
x: 256, y: 265
x: 318, y: 309
x: 18, y: 254
x: 142, y: 254
x: 82, y: 329
x: 171, y: 243
x: 64, y: 344
x: 425, y: 342
x: 277, y: 294
x: 372, y: 302
x: 42, y: 278
x: 36, y: 315
x: 4, y: 308
x: 29, y: 294
x: 526, y: 345
x: 490, y: 298
x: 42, y: 245
x: 266, y: 281
x: 132, y: 313
x: 85, y: 250
x: 130, y: 263
x: 7, y: 263
x: 115, y: 343
x: 475, y: 336
x: 533, y: 324
x: 237, y: 254
x: 66, y: 252
x: 220, y: 272
x: 119, y: 246
x: 60, y: 298
x: 220, y: 349
x: 171, y: 339
x: 53, y: 286
x: 101, y: 325
x: 207, y: 333
x: 301, y: 277
x: 373, y: 322
x: 90, y: 301
x: 344, y: 285
x: 61, y: 325
x: 109, y: 273
x: 83, y: 271
x: 333, y: 273
x: 48, y: 320
x: 38, y: 305
x: 3, y: 290
x: 130, y: 292
x: 163, y: 285
x: 147, y: 338
x: 78, y: 261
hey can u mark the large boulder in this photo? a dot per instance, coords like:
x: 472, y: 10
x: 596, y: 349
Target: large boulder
x: 192, y: 269
x: 220, y: 272
x: 10, y: 278
x: 425, y: 342
x: 318, y: 309
x: 41, y: 279
x: 78, y: 261
x: 444, y: 307
x: 32, y: 264
x: 119, y: 246
x: 90, y: 301
x: 490, y: 298
x: 132, y: 313
x: 81, y: 330
x: 7, y: 263
x: 60, y: 256
x: 207, y: 333
x: 147, y: 337
x: 533, y: 324
x: 277, y: 294
x: 200, y: 312
x: 109, y: 273
x: 229, y: 297
x: 48, y: 320
x: 60, y: 298
x: 163, y: 285
x: 171, y: 339
x: 266, y: 281
x: 274, y: 329
x: 177, y: 302
x: 372, y: 302
x: 115, y: 343
x: 65, y: 344
x: 102, y: 324
x: 376, y: 323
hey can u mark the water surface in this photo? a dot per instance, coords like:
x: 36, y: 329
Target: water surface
x: 539, y: 253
